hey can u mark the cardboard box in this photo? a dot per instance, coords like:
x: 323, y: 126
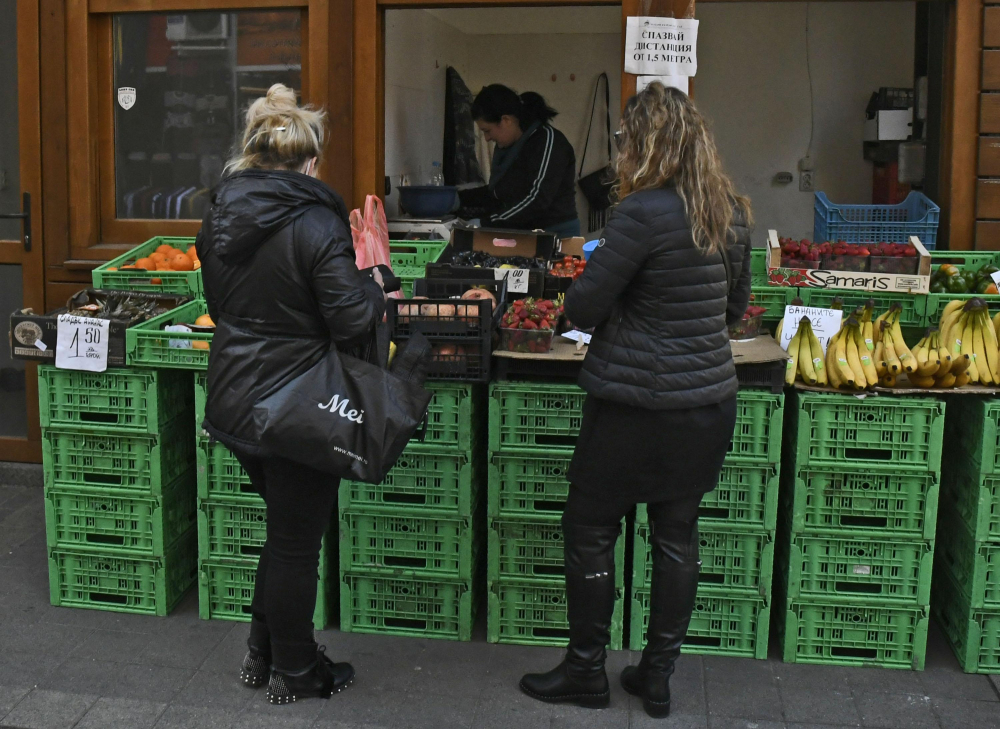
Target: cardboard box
x: 572, y: 246
x: 33, y: 336
x: 918, y: 283
x: 501, y: 242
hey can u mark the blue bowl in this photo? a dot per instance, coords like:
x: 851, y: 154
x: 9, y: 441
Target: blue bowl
x: 428, y: 201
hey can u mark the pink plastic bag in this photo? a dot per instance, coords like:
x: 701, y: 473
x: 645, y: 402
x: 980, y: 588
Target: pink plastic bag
x: 371, y: 236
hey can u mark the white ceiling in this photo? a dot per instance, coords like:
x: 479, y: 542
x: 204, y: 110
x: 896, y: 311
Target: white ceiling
x: 537, y: 21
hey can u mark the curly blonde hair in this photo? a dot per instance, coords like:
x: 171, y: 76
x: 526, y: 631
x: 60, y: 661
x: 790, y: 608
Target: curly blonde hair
x: 279, y: 134
x: 666, y: 141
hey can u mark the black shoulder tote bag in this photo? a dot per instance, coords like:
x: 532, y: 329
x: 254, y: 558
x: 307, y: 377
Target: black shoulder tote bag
x: 346, y: 416
x: 596, y: 186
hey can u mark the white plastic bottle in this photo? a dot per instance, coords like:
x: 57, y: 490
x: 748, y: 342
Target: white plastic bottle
x: 437, y: 175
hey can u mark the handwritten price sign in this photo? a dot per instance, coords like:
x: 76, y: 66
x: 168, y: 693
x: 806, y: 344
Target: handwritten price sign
x: 517, y: 279
x: 82, y: 343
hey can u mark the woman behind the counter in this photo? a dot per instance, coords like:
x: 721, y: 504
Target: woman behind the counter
x: 532, y: 179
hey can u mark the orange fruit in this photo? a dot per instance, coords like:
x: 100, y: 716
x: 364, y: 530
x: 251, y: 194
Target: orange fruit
x: 145, y: 263
x: 128, y: 267
x: 180, y: 262
x: 991, y: 289
x: 192, y: 253
x: 164, y: 266
x: 112, y: 268
x: 199, y: 344
x: 164, y: 249
x: 156, y: 281
x: 197, y: 264
x: 158, y: 257
x: 204, y: 321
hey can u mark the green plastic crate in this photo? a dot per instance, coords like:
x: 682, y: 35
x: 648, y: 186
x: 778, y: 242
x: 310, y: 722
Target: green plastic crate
x: 534, y: 416
x: 854, y: 635
x: 732, y: 562
x: 231, y: 530
x: 187, y: 283
x: 147, y: 345
x: 972, y: 434
x: 144, y: 464
x: 452, y: 417
x: 877, y: 501
x: 128, y: 400
x: 859, y: 571
x: 221, y: 475
x: 533, y: 550
x: 420, y: 608
x: 225, y: 591
x: 774, y: 299
x: 973, y: 565
x: 720, y: 626
x: 840, y: 431
x: 441, y: 482
x: 758, y: 266
x: 534, y: 613
x: 912, y: 314
x: 529, y: 484
x: 409, y: 545
x: 974, y: 635
x: 757, y: 436
x: 966, y: 261
x: 746, y: 498
x: 415, y: 253
x: 123, y: 583
x: 120, y: 522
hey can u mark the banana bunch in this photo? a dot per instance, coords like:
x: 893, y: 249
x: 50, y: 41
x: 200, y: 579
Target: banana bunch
x: 967, y: 331
x: 807, y: 357
x: 936, y: 367
x: 777, y: 332
x: 848, y: 356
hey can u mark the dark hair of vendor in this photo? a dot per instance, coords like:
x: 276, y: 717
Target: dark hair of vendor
x: 497, y: 100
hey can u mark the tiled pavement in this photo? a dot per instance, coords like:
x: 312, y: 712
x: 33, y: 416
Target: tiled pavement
x: 63, y: 668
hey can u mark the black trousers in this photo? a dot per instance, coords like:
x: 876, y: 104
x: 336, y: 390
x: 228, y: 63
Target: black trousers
x: 675, y: 520
x: 300, y: 503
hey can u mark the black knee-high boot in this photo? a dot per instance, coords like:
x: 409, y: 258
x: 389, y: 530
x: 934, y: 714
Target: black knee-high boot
x: 590, y: 599
x: 672, y: 597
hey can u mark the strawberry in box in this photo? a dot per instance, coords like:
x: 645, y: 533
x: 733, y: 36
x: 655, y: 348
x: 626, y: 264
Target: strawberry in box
x: 528, y: 325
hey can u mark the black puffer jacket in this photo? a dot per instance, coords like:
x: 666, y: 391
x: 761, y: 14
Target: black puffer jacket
x: 281, y: 284
x: 660, y: 307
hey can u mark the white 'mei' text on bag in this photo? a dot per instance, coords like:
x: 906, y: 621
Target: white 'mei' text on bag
x: 336, y: 405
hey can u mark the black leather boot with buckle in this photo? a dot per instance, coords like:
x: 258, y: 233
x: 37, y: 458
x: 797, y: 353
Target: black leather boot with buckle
x: 590, y: 601
x: 257, y: 663
x: 672, y: 596
x: 320, y: 680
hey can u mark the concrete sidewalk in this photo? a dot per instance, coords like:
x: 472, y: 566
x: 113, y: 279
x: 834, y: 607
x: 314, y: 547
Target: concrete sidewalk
x: 63, y: 669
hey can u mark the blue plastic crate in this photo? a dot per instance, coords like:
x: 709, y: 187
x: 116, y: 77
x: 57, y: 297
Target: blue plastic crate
x: 916, y: 215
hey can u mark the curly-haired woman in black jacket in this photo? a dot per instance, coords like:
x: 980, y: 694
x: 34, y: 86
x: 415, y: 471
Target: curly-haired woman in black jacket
x: 672, y: 270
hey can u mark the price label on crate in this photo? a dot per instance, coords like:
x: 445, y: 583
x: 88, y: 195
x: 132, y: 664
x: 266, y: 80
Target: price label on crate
x: 517, y: 279
x: 82, y: 343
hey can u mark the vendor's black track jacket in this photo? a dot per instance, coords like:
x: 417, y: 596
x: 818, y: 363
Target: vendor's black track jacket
x: 660, y: 307
x: 277, y: 262
x: 539, y: 189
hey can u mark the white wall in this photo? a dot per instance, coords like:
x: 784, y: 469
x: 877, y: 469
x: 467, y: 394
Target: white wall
x: 418, y: 50
x: 753, y: 85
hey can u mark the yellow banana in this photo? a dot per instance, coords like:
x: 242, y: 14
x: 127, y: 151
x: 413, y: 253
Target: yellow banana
x: 996, y: 325
x: 991, y: 345
x: 918, y: 381
x: 962, y: 379
x: 943, y: 354
x: 919, y: 351
x: 979, y: 347
x: 854, y: 361
x: 947, y: 381
x: 832, y: 371
x: 960, y: 365
x: 888, y: 380
x: 880, y: 364
x: 822, y: 376
x: 846, y: 373
x: 966, y: 346
x: 867, y: 365
x: 793, y: 364
x: 895, y: 367
x: 906, y: 357
x: 806, y: 368
x: 777, y: 330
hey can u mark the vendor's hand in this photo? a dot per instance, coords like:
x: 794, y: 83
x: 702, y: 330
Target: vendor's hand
x: 377, y: 278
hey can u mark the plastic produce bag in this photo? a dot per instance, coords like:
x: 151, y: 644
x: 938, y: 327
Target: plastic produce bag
x: 371, y: 237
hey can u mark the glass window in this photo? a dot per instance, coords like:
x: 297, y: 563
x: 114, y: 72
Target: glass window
x: 182, y: 84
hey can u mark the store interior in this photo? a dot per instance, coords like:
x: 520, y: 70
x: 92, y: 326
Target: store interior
x: 779, y: 82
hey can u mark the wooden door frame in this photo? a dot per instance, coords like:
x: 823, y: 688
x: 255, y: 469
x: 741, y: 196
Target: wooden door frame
x: 960, y: 114
x: 30, y: 164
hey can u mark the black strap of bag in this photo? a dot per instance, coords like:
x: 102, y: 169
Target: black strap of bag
x: 596, y: 186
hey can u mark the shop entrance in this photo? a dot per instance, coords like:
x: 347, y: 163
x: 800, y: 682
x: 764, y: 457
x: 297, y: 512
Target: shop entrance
x: 21, y: 270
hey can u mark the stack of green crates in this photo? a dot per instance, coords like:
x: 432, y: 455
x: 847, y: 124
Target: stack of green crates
x: 966, y: 597
x: 118, y: 453
x: 232, y: 527
x: 409, y: 259
x: 858, y: 515
x: 532, y: 432
x: 736, y: 528
x: 411, y: 546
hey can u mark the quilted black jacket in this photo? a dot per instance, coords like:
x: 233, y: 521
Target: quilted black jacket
x: 282, y: 286
x: 660, y: 307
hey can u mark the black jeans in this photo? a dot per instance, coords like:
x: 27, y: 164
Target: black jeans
x: 675, y: 520
x: 300, y: 503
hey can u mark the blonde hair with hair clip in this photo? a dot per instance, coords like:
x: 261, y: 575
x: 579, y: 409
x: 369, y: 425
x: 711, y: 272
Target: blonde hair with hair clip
x: 279, y: 134
x: 666, y: 141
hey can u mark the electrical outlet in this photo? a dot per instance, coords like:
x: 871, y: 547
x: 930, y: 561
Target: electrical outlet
x: 805, y: 181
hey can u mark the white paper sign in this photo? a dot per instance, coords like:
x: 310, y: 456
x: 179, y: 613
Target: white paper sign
x: 577, y: 336
x: 996, y: 277
x: 517, y: 279
x: 825, y: 323
x: 82, y: 343
x: 661, y: 46
x: 676, y: 82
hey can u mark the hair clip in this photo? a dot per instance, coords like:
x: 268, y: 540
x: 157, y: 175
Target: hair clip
x: 279, y: 129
